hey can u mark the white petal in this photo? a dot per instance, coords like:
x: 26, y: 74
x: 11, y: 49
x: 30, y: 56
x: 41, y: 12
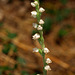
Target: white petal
x: 35, y: 50
x: 46, y: 50
x: 39, y: 27
x: 34, y: 13
x: 36, y: 2
x: 32, y: 4
x: 36, y: 36
x: 41, y: 21
x: 48, y: 61
x: 41, y: 9
x: 47, y: 67
x: 35, y: 25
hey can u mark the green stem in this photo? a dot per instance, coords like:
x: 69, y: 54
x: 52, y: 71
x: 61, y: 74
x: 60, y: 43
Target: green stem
x: 43, y: 55
x: 44, y: 71
x: 42, y: 39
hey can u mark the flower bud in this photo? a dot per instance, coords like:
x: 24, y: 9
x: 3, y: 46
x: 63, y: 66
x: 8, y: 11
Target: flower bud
x: 41, y: 21
x: 47, y: 67
x: 46, y: 50
x: 39, y: 27
x: 41, y: 10
x: 32, y: 4
x: 36, y: 2
x: 35, y: 50
x: 36, y: 36
x: 35, y: 25
x: 34, y: 14
x: 48, y: 61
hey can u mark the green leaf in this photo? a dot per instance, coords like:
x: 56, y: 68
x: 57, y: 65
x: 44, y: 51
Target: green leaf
x: 62, y: 14
x: 1, y: 72
x: 11, y: 35
x: 50, y: 11
x: 64, y: 1
x: 40, y: 51
x: 6, y: 48
x: 34, y: 32
x: 34, y: 74
x: 66, y: 12
x: 62, y: 33
x: 48, y: 24
x: 57, y: 12
x: 59, y: 18
x: 39, y: 40
x: 10, y: 74
x: 21, y: 61
x: 1, y: 24
x: 24, y: 73
x: 15, y: 66
x: 69, y: 26
x: 5, y: 68
x: 14, y: 48
x: 74, y: 11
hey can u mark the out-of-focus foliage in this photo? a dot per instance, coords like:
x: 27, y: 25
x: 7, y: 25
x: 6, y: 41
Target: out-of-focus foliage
x: 64, y: 30
x: 63, y: 1
x: 1, y: 23
x: 5, y: 68
x: 34, y: 31
x: 6, y: 48
x: 11, y: 35
x: 62, y: 14
x: 21, y: 61
x: 10, y: 47
x: 24, y: 73
x: 62, y: 33
x: 59, y: 15
x: 74, y: 11
x: 48, y: 25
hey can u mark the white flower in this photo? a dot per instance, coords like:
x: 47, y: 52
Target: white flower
x: 38, y: 74
x: 47, y: 67
x: 41, y: 21
x: 39, y: 27
x: 34, y: 14
x: 36, y: 36
x: 35, y: 25
x: 41, y: 10
x: 36, y: 2
x: 35, y: 50
x: 46, y: 50
x: 32, y: 4
x: 48, y: 61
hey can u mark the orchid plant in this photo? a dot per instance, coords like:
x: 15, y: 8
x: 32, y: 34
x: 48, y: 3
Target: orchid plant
x: 39, y: 36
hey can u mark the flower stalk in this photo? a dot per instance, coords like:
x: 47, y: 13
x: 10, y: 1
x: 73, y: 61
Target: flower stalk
x: 39, y: 36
